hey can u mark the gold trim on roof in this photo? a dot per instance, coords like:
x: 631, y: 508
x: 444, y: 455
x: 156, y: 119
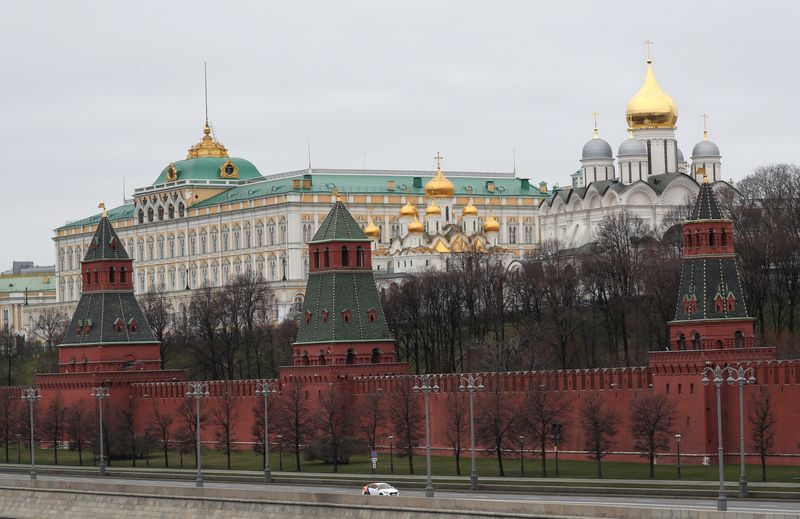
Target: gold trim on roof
x: 207, y: 147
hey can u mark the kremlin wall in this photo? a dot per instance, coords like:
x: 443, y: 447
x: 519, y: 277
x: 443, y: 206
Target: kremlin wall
x: 343, y: 345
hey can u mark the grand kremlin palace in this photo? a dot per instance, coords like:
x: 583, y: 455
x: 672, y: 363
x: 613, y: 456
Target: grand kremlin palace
x: 211, y: 216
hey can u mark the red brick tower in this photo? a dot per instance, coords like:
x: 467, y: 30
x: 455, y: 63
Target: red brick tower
x: 711, y: 312
x: 108, y: 341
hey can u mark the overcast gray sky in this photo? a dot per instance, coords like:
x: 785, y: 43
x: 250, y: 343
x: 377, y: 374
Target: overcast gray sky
x: 92, y: 92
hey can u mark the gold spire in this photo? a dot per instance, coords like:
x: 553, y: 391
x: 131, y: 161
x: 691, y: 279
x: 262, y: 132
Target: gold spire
x: 651, y: 107
x: 596, y: 135
x: 371, y: 230
x: 102, y: 205
x: 705, y: 126
x: 207, y: 147
x: 416, y: 226
x: 469, y: 210
x: 408, y: 210
x: 433, y: 209
x: 439, y: 185
x: 705, y: 176
x: 491, y: 224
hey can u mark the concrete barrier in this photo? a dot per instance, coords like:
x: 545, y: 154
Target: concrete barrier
x: 22, y: 499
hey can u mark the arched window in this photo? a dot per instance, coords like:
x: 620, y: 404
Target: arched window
x: 739, y: 339
x: 345, y: 256
x: 711, y: 237
x: 316, y: 258
x: 351, y: 357
x: 160, y: 213
x: 719, y: 345
x: 111, y: 275
x: 688, y: 239
x: 681, y: 342
x: 360, y: 256
x: 321, y: 358
x: 376, y: 356
x: 122, y: 275
x: 150, y: 214
x: 306, y: 361
x: 326, y: 257
x: 171, y: 211
x: 141, y: 216
x: 723, y: 238
x: 695, y: 341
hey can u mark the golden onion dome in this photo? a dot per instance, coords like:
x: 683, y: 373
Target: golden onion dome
x: 371, y: 230
x: 207, y: 147
x: 651, y: 107
x: 469, y: 210
x: 416, y: 226
x: 491, y: 225
x: 408, y: 210
x: 439, y: 186
x: 433, y: 209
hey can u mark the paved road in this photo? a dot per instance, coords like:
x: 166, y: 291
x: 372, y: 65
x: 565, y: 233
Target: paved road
x: 749, y: 505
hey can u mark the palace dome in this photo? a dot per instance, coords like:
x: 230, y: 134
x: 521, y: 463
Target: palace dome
x: 651, y: 107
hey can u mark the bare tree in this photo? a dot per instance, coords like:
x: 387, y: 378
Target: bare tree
x: 457, y: 423
x: 652, y: 422
x: 496, y: 423
x: 53, y: 422
x: 50, y: 326
x: 293, y: 419
x: 599, y: 425
x: 10, y: 419
x: 225, y: 416
x: 763, y: 420
x: 158, y: 313
x: 333, y: 422
x: 406, y: 419
x: 161, y: 423
x: 79, y: 426
x: 372, y: 417
x: 541, y: 409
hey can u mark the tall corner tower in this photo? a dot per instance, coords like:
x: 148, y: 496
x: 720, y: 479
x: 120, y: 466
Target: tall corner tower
x: 108, y: 331
x: 342, y: 321
x: 710, y: 313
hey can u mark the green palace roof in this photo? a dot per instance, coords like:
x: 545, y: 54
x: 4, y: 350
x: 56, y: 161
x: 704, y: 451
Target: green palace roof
x: 322, y: 181
x: 208, y: 168
x: 33, y: 282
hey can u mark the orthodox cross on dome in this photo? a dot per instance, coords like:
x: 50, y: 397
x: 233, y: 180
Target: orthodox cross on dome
x: 705, y: 126
x: 438, y: 159
x: 595, y: 115
x: 649, y: 46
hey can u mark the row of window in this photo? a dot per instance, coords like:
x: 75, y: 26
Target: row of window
x: 696, y: 344
x: 159, y: 213
x: 698, y: 239
x: 323, y: 259
x: 347, y: 315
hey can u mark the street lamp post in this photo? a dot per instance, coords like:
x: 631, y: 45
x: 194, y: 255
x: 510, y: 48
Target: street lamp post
x: 678, y: 444
x: 557, y: 429
x: 266, y: 388
x: 391, y: 454
x: 472, y: 383
x: 19, y: 449
x: 743, y: 376
x: 198, y: 390
x: 280, y: 451
x: 521, y: 456
x: 31, y: 395
x: 722, y: 501
x: 426, y: 384
x: 101, y: 393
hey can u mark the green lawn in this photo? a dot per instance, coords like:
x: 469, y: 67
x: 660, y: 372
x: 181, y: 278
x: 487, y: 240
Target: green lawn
x: 441, y: 465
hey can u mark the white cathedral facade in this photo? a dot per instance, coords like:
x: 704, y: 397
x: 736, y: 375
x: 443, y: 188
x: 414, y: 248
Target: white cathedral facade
x: 650, y: 177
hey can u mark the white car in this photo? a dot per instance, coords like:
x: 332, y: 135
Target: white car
x: 379, y: 489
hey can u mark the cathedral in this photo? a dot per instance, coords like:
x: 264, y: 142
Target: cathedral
x: 650, y: 177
